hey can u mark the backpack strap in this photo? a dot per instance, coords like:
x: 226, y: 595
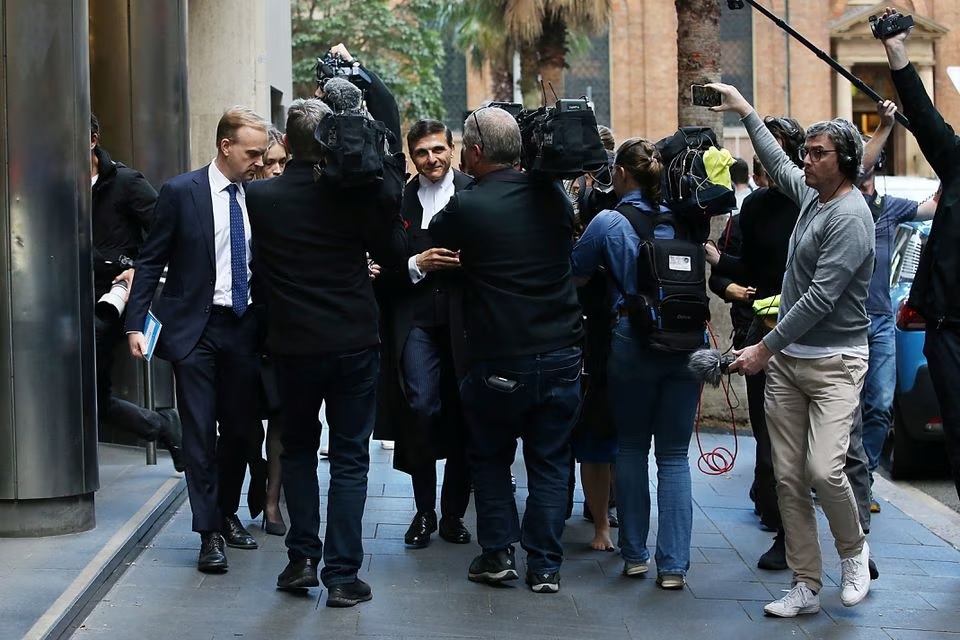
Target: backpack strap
x: 641, y: 222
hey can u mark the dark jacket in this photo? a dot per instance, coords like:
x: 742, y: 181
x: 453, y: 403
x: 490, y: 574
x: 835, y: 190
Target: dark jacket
x: 514, y: 233
x: 310, y: 241
x: 935, y: 292
x: 123, y: 203
x: 741, y: 313
x: 434, y: 301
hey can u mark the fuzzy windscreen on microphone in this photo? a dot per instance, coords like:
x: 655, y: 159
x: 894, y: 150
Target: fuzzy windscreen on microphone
x: 707, y: 365
x: 341, y: 95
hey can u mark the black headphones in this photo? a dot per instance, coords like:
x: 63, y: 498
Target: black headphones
x: 848, y: 164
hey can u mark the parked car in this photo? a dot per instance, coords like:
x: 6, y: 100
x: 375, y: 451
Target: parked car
x: 916, y: 445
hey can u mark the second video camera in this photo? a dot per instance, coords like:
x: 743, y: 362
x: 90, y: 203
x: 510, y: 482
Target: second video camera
x: 896, y: 23
x: 334, y: 66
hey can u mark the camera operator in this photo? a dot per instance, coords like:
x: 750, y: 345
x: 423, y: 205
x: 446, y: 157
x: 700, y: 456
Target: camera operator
x: 123, y: 204
x: 523, y: 323
x: 935, y: 292
x: 816, y: 357
x: 311, y: 236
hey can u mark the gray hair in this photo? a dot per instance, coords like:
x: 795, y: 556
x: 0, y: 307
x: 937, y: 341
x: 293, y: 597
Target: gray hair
x: 303, y: 116
x: 846, y: 138
x: 497, y: 135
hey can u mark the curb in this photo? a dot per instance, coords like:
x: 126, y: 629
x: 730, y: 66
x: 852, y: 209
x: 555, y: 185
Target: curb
x: 71, y: 607
x: 938, y: 518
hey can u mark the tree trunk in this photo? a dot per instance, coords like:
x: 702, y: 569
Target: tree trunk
x: 698, y: 59
x: 552, y: 51
x: 530, y: 77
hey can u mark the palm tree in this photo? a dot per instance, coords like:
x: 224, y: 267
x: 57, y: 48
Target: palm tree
x: 540, y: 30
x: 698, y: 59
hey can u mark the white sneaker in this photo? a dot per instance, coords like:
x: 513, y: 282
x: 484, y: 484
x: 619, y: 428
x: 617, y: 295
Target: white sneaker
x: 799, y: 600
x: 387, y: 445
x: 855, y: 577
x: 633, y: 569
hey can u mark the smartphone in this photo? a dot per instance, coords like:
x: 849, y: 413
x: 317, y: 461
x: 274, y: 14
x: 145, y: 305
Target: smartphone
x: 702, y: 96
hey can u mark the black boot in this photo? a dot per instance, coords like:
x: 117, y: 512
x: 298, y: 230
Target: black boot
x: 775, y: 559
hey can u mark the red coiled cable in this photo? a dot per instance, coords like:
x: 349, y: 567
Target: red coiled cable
x: 720, y: 460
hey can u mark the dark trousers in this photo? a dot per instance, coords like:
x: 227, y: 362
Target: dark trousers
x: 218, y: 385
x: 348, y: 383
x: 428, y: 373
x: 763, y: 478
x: 108, y: 333
x: 942, y: 348
x: 541, y: 409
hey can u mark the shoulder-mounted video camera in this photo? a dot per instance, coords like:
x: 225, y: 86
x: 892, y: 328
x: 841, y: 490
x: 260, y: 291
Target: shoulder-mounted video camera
x: 896, y: 23
x: 334, y: 66
x: 561, y: 140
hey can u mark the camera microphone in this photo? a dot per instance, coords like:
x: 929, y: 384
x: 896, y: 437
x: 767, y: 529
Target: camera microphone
x: 709, y: 365
x: 342, y: 95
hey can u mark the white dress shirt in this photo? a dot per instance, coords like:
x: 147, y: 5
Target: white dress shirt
x: 223, y: 289
x: 433, y: 196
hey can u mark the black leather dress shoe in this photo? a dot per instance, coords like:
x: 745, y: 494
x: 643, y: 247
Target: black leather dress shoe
x: 452, y: 530
x: 170, y: 437
x: 236, y: 535
x: 299, y: 574
x: 418, y: 535
x: 212, y: 557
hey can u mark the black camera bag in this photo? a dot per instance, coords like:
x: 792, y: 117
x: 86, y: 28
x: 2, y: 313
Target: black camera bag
x: 684, y: 183
x: 670, y: 307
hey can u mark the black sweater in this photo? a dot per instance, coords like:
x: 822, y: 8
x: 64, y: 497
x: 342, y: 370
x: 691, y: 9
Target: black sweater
x: 514, y: 233
x: 309, y: 253
x: 767, y: 218
x: 936, y: 287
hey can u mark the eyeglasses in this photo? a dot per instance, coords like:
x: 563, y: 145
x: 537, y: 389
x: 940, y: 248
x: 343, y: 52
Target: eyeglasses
x: 816, y: 153
x: 476, y: 121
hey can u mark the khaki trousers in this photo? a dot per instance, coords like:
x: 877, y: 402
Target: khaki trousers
x: 810, y: 404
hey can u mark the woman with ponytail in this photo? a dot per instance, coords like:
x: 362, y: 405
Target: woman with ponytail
x: 653, y: 397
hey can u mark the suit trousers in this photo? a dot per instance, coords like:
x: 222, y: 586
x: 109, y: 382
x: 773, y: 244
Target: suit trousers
x: 810, y: 405
x: 218, y: 388
x: 427, y: 365
x: 347, y: 382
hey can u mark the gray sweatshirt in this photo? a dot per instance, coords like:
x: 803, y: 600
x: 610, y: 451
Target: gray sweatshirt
x: 830, y: 258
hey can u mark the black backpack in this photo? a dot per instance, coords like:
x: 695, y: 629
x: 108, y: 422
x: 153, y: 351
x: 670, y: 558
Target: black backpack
x: 355, y: 147
x: 684, y: 183
x: 671, y: 306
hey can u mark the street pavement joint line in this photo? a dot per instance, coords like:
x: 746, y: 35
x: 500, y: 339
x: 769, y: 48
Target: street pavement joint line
x: 59, y: 608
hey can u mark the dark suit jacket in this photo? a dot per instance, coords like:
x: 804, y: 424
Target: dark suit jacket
x: 310, y: 240
x: 182, y: 240
x: 404, y: 305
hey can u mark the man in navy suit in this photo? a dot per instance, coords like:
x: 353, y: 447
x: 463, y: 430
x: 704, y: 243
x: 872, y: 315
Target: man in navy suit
x: 211, y: 335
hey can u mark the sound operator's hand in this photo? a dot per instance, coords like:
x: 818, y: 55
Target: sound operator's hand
x: 751, y: 360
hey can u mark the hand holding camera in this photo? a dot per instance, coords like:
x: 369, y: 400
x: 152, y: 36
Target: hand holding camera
x: 890, y: 24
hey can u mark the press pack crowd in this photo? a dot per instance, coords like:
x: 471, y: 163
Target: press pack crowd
x: 468, y: 308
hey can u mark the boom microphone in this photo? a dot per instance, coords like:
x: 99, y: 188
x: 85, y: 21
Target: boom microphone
x: 342, y: 95
x: 709, y: 365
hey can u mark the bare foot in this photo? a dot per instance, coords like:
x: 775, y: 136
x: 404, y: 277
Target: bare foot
x: 602, y: 542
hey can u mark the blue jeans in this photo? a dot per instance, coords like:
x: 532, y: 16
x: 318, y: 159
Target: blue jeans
x: 541, y: 408
x: 653, y: 397
x: 878, y: 387
x: 348, y: 383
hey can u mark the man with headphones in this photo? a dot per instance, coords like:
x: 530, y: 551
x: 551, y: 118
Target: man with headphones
x: 888, y: 212
x: 816, y: 356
